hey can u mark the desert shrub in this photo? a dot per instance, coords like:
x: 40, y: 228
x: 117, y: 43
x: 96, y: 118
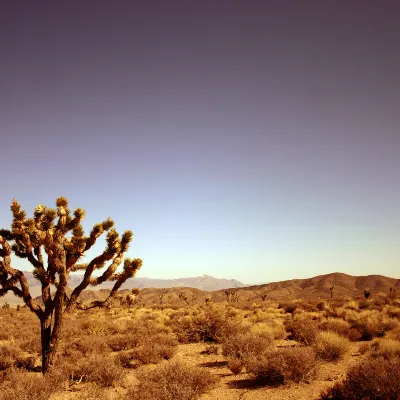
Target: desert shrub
x: 21, y: 385
x: 371, y: 323
x: 10, y: 355
x: 209, y: 323
x: 99, y: 326
x: 98, y: 368
x: 211, y: 348
x: 373, y: 379
x: 282, y: 365
x: 394, y: 334
x: 123, y: 342
x: 354, y: 334
x: 385, y: 348
x: 392, y: 311
x: 330, y: 346
x: 336, y: 325
x: 303, y: 330
x: 364, y: 348
x: 321, y: 305
x: 152, y: 351
x: 365, y: 305
x: 242, y: 346
x: 308, y: 306
x: 84, y: 345
x: 351, y: 305
x: 273, y: 329
x: 170, y: 381
x: 94, y: 392
x: 289, y: 308
x: 30, y: 343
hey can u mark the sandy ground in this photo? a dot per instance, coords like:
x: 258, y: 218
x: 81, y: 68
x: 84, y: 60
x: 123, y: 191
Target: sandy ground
x: 239, y: 387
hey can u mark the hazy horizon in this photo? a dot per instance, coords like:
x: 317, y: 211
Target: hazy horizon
x: 257, y: 141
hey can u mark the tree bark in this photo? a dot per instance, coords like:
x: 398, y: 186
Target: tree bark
x: 45, y: 330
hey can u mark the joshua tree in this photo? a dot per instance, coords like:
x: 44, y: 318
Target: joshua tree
x: 367, y: 293
x: 161, y: 297
x: 235, y: 297
x: 264, y: 297
x: 182, y: 295
x: 229, y: 295
x: 131, y: 299
x: 47, y: 232
x: 332, y: 289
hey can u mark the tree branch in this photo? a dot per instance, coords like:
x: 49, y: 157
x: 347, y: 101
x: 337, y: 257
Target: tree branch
x: 16, y: 276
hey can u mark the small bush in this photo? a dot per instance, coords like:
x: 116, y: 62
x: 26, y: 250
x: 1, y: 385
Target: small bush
x: 385, y: 348
x: 10, y: 354
x: 98, y: 368
x: 374, y: 379
x: 244, y: 346
x: 170, y: 381
x: 21, y: 385
x: 330, y: 346
x: 289, y: 308
x: 208, y: 323
x: 372, y: 323
x: 161, y: 347
x: 303, y: 330
x: 336, y: 325
x: 273, y: 329
x: 211, y: 348
x: 394, y: 334
x: 283, y: 365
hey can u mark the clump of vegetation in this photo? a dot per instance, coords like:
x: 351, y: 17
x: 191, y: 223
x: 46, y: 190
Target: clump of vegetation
x: 283, y: 365
x: 207, y: 323
x: 170, y: 381
x: 242, y: 346
x: 21, y: 385
x: 97, y: 368
x: 303, y: 330
x: 330, y: 346
x: 151, y: 351
x: 336, y: 325
x: 374, y: 378
x: 386, y: 348
x: 371, y: 324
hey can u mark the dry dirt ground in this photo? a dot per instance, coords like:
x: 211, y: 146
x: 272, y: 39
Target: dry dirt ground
x: 240, y: 387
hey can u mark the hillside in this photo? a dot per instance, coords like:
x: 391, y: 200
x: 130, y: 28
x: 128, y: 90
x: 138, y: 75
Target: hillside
x: 309, y: 288
x: 202, y: 283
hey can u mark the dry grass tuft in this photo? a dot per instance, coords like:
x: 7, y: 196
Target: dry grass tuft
x: 170, y: 381
x: 374, y: 379
x: 330, y: 346
x: 283, y: 365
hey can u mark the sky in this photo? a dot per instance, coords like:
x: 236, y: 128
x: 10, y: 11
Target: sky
x: 254, y: 140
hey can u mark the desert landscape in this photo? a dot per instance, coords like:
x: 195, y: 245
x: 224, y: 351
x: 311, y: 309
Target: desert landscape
x: 296, y: 339
x: 199, y: 200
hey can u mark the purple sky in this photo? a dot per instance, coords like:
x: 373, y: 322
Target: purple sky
x: 258, y: 140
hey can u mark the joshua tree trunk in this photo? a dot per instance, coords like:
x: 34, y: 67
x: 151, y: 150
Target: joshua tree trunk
x: 47, y: 354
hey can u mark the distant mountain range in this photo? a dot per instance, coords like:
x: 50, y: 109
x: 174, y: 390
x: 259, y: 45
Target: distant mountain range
x: 204, y: 282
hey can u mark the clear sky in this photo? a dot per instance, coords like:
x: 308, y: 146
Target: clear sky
x: 255, y: 140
